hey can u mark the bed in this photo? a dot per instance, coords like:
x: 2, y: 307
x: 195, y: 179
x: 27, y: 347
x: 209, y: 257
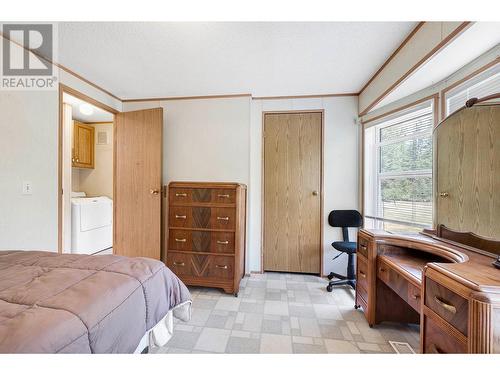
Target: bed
x: 68, y: 303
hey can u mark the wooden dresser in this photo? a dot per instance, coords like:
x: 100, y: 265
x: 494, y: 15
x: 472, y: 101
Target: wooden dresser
x: 206, y: 233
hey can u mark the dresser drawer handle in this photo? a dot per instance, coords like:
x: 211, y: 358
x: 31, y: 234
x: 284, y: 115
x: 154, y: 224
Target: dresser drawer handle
x: 181, y: 194
x: 180, y: 216
x: 362, y: 274
x: 223, y: 195
x: 450, y: 308
x: 226, y: 218
x: 382, y: 269
x: 415, y: 296
x: 180, y: 264
x: 222, y: 242
x: 180, y: 240
x: 224, y: 267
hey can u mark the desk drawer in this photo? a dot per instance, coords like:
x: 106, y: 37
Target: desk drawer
x: 361, y: 292
x: 362, y: 274
x: 438, y: 341
x: 447, y: 304
x: 393, y: 279
x: 362, y: 247
x: 414, y: 297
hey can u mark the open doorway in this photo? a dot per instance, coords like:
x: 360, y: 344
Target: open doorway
x: 87, y: 176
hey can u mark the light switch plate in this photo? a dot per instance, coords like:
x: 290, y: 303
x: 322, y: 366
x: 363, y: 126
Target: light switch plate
x: 27, y: 188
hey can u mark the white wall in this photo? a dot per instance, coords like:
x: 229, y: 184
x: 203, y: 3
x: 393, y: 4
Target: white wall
x: 29, y: 123
x: 341, y: 142
x: 28, y: 144
x: 221, y: 140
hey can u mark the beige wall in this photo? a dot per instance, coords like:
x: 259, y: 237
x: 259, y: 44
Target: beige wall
x: 421, y: 44
x: 97, y: 181
x: 29, y: 124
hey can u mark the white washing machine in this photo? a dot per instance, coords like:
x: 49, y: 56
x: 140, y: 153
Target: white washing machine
x: 91, y: 224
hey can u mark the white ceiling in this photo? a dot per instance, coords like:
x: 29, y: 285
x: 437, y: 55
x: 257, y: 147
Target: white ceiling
x: 472, y: 43
x: 97, y: 115
x: 143, y: 60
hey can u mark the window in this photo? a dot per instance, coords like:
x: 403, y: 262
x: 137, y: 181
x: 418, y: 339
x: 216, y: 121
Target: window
x: 398, y: 171
x: 483, y: 84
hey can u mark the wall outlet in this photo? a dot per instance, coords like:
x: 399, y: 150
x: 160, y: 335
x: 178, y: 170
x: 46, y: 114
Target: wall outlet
x: 27, y: 188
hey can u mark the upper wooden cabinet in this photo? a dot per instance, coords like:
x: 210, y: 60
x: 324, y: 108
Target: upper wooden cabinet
x: 83, y: 146
x: 468, y: 170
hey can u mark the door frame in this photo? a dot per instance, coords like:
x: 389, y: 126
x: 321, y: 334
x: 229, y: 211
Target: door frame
x: 262, y: 195
x: 77, y: 94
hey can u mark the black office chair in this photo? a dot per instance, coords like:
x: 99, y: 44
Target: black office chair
x: 344, y: 219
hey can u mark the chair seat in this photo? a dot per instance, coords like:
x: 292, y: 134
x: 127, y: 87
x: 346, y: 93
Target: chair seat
x: 345, y: 247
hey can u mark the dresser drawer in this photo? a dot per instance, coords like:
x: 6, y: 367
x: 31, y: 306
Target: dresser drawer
x: 447, y: 304
x: 223, y: 196
x: 221, y: 268
x: 223, y: 218
x: 223, y: 242
x: 195, y: 266
x: 202, y: 217
x: 414, y: 297
x: 437, y: 340
x: 190, y: 195
x: 201, y: 241
x: 362, y: 274
x: 179, y: 263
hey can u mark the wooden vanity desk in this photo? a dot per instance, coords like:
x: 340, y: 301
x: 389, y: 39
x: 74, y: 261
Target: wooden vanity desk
x: 444, y: 278
x: 452, y: 290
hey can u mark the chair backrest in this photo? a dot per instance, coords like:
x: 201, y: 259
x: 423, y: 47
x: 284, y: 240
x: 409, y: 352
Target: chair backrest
x: 345, y: 219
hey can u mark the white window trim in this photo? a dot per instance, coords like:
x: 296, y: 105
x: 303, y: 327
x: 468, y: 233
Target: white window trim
x: 382, y: 123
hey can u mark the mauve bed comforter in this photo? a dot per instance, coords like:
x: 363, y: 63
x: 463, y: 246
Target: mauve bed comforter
x: 53, y: 303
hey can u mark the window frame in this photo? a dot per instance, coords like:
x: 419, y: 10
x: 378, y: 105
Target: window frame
x: 379, y: 221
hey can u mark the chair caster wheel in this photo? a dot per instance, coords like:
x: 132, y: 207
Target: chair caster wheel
x: 329, y: 288
x: 236, y: 295
x: 357, y: 307
x: 330, y: 276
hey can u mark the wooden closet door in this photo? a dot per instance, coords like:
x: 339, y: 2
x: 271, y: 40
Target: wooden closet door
x: 468, y: 171
x: 137, y: 199
x: 292, y: 192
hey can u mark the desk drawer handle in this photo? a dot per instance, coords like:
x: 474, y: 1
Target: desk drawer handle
x: 223, y: 195
x: 450, y: 308
x: 181, y: 194
x: 362, y: 274
x: 180, y: 264
x: 226, y: 218
x: 361, y: 246
x: 180, y: 216
x: 222, y: 242
x: 224, y: 267
x: 180, y: 240
x: 382, y: 269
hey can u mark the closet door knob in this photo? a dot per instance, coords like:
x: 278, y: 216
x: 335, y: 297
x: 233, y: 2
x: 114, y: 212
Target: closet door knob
x: 444, y: 194
x: 315, y: 192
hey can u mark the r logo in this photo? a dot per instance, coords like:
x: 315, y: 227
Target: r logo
x: 37, y: 38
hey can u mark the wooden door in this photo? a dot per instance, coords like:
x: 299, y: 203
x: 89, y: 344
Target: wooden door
x: 292, y: 192
x: 468, y: 171
x: 83, y: 145
x: 138, y: 181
